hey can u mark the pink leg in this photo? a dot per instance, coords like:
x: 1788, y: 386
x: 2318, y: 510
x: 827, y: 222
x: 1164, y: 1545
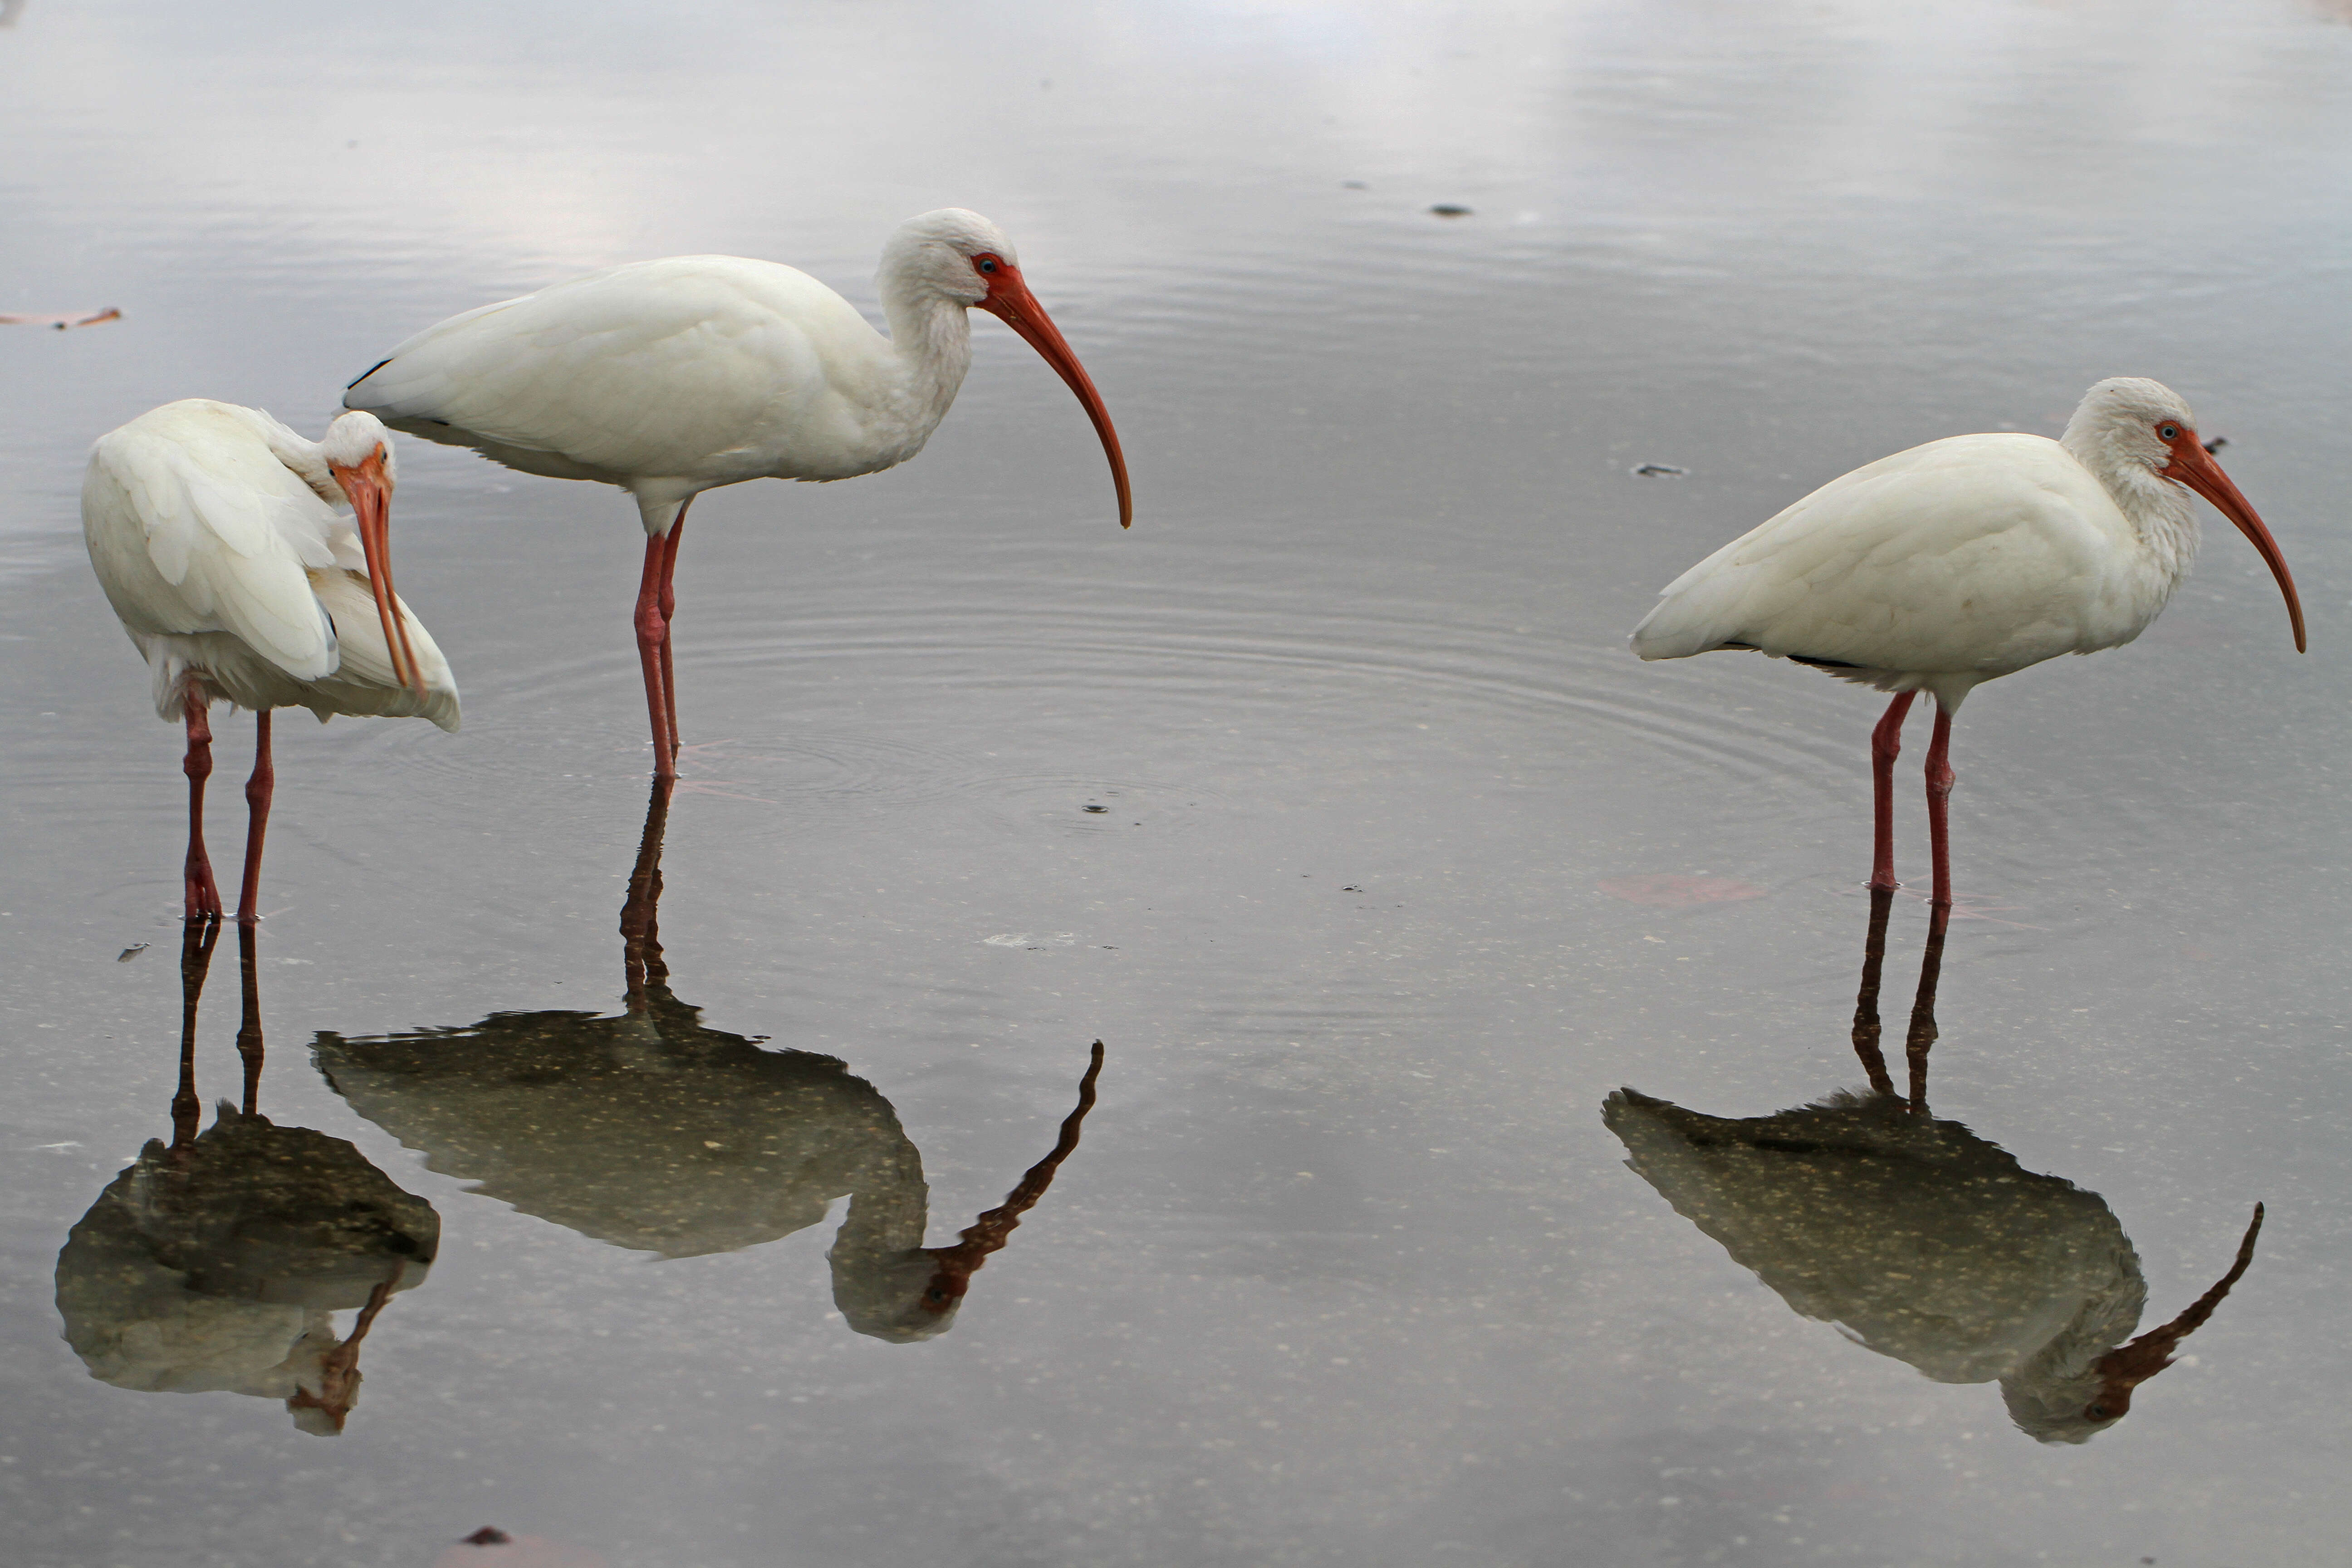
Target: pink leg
x: 1940, y: 795
x: 257, y: 791
x: 653, y: 637
x: 203, y: 900
x: 669, y: 609
x: 1885, y: 745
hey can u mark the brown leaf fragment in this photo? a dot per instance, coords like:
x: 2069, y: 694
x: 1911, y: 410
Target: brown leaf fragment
x: 70, y: 318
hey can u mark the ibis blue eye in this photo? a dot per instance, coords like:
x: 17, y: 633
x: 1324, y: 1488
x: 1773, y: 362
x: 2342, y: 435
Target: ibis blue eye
x: 986, y: 264
x: 2169, y: 432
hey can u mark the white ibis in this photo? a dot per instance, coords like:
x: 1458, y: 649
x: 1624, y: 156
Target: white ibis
x: 213, y: 531
x: 670, y: 378
x: 1967, y: 558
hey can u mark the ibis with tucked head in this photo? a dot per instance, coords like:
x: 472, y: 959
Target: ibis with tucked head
x: 670, y: 378
x: 215, y: 532
x: 1940, y: 568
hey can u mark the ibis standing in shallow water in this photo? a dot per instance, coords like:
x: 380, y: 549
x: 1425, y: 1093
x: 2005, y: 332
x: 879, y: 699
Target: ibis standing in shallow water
x: 213, y: 531
x: 1973, y: 557
x: 670, y: 378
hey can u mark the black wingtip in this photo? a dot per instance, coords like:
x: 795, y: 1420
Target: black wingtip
x: 367, y: 373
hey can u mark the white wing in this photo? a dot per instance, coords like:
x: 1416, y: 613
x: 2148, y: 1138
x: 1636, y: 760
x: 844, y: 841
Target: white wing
x: 707, y: 368
x: 1978, y: 552
x: 194, y: 526
x: 364, y: 684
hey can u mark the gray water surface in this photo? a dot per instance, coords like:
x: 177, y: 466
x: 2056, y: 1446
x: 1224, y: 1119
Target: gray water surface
x: 1404, y: 866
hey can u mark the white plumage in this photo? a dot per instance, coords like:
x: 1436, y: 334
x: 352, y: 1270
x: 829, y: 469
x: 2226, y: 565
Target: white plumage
x: 1949, y: 564
x: 215, y: 534
x: 668, y: 378
x: 215, y: 531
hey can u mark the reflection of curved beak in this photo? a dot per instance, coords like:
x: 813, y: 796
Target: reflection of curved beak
x: 2126, y: 1367
x: 2193, y: 465
x: 339, y: 1373
x: 370, y: 490
x: 1010, y: 301
x: 990, y: 1232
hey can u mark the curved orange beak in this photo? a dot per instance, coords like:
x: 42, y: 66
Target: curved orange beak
x: 370, y: 490
x: 1010, y: 301
x: 2193, y: 465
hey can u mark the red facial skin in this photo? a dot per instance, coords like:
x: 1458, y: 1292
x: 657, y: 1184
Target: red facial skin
x: 2194, y: 466
x: 1010, y: 301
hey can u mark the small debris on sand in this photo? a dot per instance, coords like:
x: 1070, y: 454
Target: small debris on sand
x: 1447, y: 209
x: 1657, y: 471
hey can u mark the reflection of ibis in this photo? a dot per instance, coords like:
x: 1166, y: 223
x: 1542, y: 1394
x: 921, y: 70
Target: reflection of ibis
x: 668, y: 378
x: 651, y: 1130
x: 213, y: 531
x: 1942, y: 567
x: 1920, y: 1239
x: 217, y: 1263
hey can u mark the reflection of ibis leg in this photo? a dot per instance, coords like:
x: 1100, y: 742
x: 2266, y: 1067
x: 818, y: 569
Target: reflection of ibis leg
x: 1939, y: 797
x: 196, y: 939
x: 257, y: 791
x: 668, y: 611
x: 653, y: 637
x: 248, y: 1028
x: 1885, y: 742
x: 201, y: 899
x: 641, y: 954
x: 1865, y: 1000
x: 1922, y: 1036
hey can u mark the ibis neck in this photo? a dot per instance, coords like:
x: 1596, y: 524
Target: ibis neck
x: 930, y: 343
x: 308, y: 462
x: 2162, y: 516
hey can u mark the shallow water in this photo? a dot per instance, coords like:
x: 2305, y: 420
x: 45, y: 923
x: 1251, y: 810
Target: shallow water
x: 1405, y: 866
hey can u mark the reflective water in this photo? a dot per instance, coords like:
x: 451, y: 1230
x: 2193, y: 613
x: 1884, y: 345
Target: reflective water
x: 1405, y: 869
